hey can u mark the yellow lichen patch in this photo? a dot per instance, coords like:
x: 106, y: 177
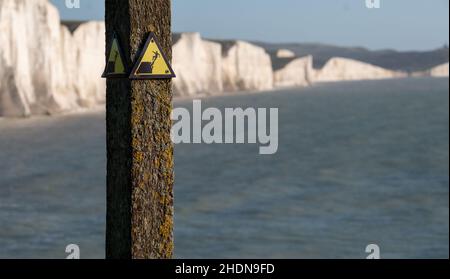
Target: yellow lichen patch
x: 165, y: 230
x: 138, y: 157
x: 135, y: 141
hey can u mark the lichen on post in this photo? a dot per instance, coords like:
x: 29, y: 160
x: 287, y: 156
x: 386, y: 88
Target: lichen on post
x: 139, y: 147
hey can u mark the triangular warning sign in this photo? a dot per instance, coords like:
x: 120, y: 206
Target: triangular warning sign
x: 152, y: 63
x: 115, y: 66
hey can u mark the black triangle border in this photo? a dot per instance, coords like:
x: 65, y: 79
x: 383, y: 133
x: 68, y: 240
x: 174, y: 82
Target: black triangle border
x: 108, y: 75
x: 141, y: 56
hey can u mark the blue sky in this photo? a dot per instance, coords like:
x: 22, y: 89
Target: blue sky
x: 398, y: 24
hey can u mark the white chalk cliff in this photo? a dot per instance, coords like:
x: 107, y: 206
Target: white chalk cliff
x: 89, y: 87
x: 205, y: 67
x: 31, y: 36
x: 198, y: 66
x: 43, y: 67
x: 285, y: 53
x: 439, y: 71
x: 246, y: 67
x: 344, y: 69
x: 298, y: 72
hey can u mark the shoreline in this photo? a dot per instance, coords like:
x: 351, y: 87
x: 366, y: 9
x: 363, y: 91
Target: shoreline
x: 102, y: 107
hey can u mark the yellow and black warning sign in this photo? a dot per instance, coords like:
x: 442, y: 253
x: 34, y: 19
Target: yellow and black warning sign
x: 115, y: 66
x: 152, y: 63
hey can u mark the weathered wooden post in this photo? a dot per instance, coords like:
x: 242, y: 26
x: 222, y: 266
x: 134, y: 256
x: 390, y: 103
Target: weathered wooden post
x: 139, y: 148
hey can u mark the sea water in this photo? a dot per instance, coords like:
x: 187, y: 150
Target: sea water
x: 358, y: 163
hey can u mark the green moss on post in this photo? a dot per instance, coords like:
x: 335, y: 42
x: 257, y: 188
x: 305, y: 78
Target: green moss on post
x: 139, y: 148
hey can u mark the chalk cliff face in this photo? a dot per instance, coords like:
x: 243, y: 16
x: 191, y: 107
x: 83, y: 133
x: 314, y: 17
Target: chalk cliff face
x: 198, y: 66
x: 437, y: 71
x: 30, y: 36
x: 246, y: 67
x: 298, y: 72
x: 42, y: 67
x: 343, y: 69
x: 285, y: 53
x: 89, y: 60
x: 440, y: 71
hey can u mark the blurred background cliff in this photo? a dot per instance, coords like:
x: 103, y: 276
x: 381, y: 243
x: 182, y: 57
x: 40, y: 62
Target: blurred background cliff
x: 49, y: 66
